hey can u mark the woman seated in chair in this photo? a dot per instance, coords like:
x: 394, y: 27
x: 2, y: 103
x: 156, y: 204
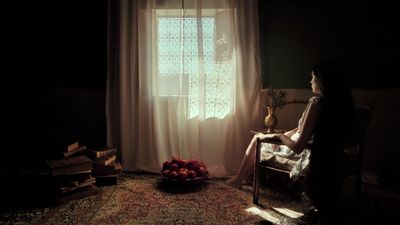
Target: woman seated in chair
x: 327, y: 113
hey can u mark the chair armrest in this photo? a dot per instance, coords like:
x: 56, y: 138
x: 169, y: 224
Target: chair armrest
x: 271, y: 140
x: 277, y: 141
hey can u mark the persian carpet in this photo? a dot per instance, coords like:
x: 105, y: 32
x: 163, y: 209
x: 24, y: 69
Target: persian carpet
x: 142, y: 199
x: 145, y: 200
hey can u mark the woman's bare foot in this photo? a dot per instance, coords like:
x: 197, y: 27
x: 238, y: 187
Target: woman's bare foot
x: 234, y: 183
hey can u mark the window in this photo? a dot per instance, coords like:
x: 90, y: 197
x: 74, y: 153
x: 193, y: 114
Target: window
x: 194, y: 62
x: 178, y: 51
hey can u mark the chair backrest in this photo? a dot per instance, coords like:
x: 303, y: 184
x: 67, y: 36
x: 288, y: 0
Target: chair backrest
x: 354, y: 150
x: 359, y: 128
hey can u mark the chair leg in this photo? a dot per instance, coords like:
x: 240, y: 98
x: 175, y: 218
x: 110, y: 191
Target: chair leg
x: 255, y: 189
x: 256, y: 179
x: 358, y: 181
x: 357, y: 188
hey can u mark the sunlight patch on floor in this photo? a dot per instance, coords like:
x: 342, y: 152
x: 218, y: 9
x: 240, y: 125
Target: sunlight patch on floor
x: 289, y: 212
x: 263, y: 214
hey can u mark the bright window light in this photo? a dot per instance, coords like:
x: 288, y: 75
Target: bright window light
x: 289, y: 213
x: 263, y: 214
x: 192, y: 65
x: 178, y: 53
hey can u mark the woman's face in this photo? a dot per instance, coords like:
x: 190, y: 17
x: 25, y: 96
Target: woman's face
x: 315, y: 84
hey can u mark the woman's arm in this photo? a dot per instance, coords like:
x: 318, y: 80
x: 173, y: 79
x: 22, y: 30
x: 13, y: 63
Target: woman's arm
x: 310, y: 120
x: 291, y: 132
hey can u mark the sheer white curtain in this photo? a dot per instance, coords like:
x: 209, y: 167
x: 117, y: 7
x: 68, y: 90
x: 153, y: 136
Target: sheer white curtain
x: 188, y: 82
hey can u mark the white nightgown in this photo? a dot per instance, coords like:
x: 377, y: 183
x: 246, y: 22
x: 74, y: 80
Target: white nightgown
x: 283, y: 157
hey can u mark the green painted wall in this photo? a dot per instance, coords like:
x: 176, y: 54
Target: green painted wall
x: 296, y: 34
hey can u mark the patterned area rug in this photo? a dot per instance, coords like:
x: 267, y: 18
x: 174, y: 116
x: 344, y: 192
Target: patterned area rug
x: 142, y: 202
x: 144, y: 199
x: 147, y: 200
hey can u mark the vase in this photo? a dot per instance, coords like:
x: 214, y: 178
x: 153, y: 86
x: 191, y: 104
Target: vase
x: 270, y: 120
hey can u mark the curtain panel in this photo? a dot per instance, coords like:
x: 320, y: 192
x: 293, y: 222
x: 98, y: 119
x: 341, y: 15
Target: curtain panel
x: 183, y: 81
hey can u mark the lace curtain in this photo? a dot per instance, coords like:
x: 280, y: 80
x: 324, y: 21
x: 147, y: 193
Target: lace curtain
x: 195, y: 61
x: 187, y: 77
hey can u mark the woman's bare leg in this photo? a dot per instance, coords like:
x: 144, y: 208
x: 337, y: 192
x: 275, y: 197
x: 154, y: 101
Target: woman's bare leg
x: 246, y: 167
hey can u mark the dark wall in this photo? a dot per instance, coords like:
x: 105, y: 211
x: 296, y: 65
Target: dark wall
x: 296, y: 34
x: 55, y: 82
x: 57, y: 43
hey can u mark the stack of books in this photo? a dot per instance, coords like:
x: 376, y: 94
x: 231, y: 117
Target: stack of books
x: 72, y: 174
x: 74, y: 149
x: 106, y: 169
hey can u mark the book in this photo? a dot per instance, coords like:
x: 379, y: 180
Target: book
x: 105, y: 161
x: 81, y: 184
x: 58, y: 163
x: 72, y: 179
x: 72, y: 146
x: 104, y: 172
x: 71, y: 169
x: 102, y: 152
x: 75, y: 151
x: 78, y: 194
x: 71, y: 184
x: 109, y: 166
x: 70, y: 165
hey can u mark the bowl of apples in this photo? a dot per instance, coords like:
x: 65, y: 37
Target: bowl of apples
x: 184, y: 172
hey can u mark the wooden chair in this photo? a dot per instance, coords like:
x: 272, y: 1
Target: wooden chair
x: 353, y: 154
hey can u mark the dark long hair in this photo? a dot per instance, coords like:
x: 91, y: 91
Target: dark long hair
x: 330, y: 134
x: 337, y: 101
x: 337, y: 107
x: 334, y: 85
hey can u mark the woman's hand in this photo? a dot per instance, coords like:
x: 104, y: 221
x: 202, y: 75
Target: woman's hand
x: 274, y: 136
x: 262, y: 135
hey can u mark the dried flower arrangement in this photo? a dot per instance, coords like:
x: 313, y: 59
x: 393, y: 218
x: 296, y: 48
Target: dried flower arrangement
x: 277, y: 98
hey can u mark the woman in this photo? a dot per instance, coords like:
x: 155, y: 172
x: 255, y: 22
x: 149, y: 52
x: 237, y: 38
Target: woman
x: 332, y: 103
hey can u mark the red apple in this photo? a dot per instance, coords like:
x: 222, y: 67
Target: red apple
x: 179, y: 162
x: 189, y: 165
x: 195, y: 166
x: 182, y: 169
x: 173, y: 174
x: 184, y: 162
x: 182, y: 174
x: 191, y: 174
x: 202, y: 171
x: 173, y: 166
x: 165, y: 165
x: 165, y: 172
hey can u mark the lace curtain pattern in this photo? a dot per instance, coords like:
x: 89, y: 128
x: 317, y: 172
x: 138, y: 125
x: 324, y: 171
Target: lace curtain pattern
x: 188, y: 66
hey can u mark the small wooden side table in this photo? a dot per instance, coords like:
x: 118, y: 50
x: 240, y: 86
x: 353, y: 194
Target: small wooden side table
x: 264, y: 131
